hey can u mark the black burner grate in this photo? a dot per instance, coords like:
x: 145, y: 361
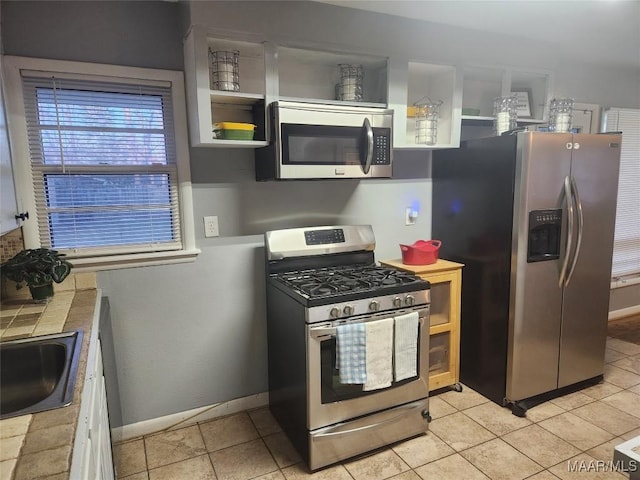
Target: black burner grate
x: 323, y: 282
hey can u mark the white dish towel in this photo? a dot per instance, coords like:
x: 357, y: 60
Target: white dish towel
x: 379, y: 354
x: 406, y: 346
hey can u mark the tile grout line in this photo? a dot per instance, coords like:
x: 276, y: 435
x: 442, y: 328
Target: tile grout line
x: 280, y: 469
x: 260, y: 437
x: 213, y: 467
x: 585, y: 452
x: 146, y: 456
x: 571, y: 410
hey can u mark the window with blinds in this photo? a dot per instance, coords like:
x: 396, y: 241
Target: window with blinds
x: 626, y: 248
x: 103, y: 162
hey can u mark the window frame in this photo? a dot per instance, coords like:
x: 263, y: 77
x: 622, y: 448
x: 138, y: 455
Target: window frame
x: 26, y: 196
x: 625, y: 120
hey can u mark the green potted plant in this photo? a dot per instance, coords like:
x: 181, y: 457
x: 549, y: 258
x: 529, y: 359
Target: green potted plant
x: 38, y: 268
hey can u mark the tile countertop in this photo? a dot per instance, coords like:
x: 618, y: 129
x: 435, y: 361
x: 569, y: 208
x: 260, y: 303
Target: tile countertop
x: 39, y: 445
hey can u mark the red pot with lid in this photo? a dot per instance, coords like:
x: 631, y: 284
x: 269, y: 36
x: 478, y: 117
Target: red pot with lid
x: 422, y: 252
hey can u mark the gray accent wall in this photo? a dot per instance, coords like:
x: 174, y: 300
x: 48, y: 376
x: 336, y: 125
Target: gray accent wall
x: 194, y: 334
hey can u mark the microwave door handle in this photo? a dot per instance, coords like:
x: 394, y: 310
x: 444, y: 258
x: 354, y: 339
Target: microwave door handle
x: 368, y: 156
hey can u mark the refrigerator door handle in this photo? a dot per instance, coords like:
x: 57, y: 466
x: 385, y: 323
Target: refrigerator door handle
x: 565, y: 262
x: 578, y: 203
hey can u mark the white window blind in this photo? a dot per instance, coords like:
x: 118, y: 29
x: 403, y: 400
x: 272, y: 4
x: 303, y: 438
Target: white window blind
x: 626, y: 250
x: 103, y: 161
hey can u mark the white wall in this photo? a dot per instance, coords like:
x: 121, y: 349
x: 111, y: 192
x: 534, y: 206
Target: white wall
x: 194, y: 334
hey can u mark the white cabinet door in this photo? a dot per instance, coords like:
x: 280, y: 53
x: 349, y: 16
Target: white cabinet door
x: 89, y: 468
x: 105, y: 446
x: 99, y: 432
x: 92, y: 456
x: 8, y: 206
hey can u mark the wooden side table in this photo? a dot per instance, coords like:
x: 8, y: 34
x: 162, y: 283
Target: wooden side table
x: 444, y: 330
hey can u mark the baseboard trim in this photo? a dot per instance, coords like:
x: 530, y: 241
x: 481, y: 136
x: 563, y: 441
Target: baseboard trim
x: 624, y: 312
x: 188, y: 417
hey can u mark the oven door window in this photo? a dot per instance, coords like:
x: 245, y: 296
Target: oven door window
x: 332, y: 390
x: 321, y: 145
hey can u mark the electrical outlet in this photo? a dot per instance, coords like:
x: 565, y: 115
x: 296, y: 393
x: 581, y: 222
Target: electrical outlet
x: 211, y: 227
x: 410, y: 216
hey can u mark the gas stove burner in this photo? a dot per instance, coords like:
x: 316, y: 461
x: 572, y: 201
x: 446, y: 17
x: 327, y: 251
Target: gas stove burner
x: 315, y: 289
x: 324, y: 282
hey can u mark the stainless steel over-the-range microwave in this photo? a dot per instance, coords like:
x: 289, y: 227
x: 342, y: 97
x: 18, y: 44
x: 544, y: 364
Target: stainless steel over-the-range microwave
x: 316, y: 141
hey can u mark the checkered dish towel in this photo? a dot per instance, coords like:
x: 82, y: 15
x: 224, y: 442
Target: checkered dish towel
x: 350, y: 353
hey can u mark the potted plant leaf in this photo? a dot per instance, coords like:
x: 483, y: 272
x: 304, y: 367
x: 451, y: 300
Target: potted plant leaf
x: 38, y: 268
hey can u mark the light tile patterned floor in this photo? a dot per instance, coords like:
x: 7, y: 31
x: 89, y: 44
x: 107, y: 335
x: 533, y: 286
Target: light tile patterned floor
x: 469, y: 438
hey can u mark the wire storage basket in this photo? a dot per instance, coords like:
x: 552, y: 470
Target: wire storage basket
x: 560, y: 114
x: 350, y: 86
x: 427, y: 114
x: 505, y: 114
x: 224, y: 71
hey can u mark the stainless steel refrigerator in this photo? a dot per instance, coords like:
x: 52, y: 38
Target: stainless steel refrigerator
x: 531, y: 216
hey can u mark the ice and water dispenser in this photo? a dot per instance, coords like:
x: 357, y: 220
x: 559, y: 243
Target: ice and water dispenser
x: 544, y: 235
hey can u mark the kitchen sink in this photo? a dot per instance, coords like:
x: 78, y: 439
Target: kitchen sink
x: 38, y: 373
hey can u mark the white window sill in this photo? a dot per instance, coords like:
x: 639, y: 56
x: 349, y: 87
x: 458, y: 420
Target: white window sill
x: 627, y: 281
x: 113, y: 262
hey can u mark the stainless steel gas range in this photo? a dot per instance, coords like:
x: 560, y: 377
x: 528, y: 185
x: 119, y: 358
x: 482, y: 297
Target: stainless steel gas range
x: 320, y: 282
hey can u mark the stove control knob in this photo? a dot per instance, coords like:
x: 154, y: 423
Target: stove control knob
x: 334, y: 312
x: 409, y: 300
x: 397, y: 302
x: 374, y: 306
x: 348, y: 310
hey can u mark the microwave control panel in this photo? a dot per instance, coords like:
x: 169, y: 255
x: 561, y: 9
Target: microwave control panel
x: 381, y: 146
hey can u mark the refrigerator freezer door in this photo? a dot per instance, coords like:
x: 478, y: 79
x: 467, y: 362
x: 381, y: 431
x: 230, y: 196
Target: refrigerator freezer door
x: 536, y: 297
x: 473, y: 191
x: 594, y: 167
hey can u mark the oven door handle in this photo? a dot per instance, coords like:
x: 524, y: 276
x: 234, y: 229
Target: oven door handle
x: 322, y: 332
